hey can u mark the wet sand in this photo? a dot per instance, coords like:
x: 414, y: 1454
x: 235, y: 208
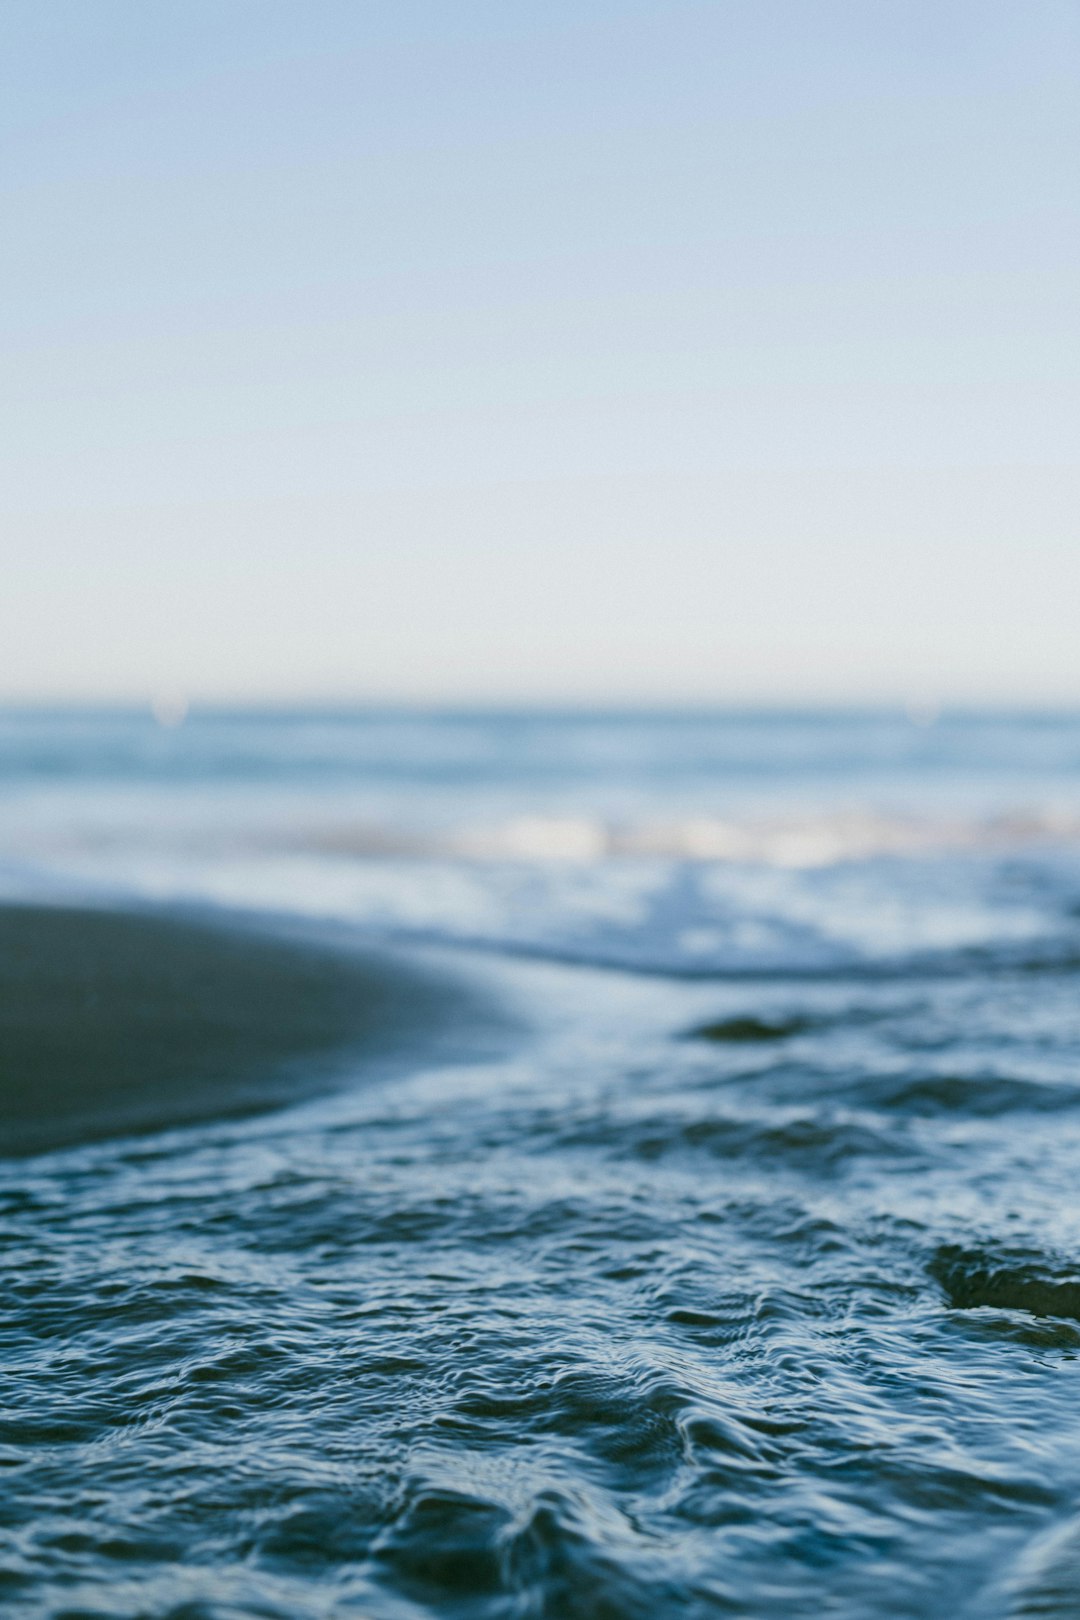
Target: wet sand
x: 113, y: 1022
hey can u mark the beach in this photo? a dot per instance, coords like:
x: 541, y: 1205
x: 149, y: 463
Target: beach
x: 413, y: 1207
x: 113, y: 1022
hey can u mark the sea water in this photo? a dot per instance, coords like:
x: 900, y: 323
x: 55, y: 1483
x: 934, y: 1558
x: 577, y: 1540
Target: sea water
x: 723, y: 1258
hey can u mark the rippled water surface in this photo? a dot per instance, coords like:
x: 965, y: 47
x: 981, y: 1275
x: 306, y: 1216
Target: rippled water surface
x: 720, y: 1256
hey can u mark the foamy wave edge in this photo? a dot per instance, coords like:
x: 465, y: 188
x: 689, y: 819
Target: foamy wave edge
x: 792, y: 842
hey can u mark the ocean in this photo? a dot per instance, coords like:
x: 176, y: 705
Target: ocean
x: 539, y: 1166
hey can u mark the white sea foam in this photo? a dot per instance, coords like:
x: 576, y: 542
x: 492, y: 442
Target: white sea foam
x: 677, y: 845
x: 806, y: 840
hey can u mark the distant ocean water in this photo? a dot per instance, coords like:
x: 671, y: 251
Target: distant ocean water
x: 702, y: 1239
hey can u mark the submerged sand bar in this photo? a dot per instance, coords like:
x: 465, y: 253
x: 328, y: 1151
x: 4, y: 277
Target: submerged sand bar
x: 113, y: 1022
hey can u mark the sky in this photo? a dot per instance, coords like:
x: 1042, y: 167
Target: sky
x: 587, y: 351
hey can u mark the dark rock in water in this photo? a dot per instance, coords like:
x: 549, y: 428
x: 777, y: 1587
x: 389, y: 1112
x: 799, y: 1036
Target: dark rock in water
x: 113, y: 1022
x: 752, y: 1029
x: 1006, y: 1280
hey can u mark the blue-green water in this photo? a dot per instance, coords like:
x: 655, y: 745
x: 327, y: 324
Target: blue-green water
x: 712, y: 1248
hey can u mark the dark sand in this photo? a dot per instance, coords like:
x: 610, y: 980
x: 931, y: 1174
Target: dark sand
x: 114, y: 1022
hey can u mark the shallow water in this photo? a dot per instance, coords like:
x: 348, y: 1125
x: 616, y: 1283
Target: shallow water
x: 737, y: 1272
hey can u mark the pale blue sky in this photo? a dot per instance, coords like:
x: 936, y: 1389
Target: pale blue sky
x: 628, y: 351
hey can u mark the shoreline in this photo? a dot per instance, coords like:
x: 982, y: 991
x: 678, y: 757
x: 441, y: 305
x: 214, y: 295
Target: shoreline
x: 121, y: 1021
